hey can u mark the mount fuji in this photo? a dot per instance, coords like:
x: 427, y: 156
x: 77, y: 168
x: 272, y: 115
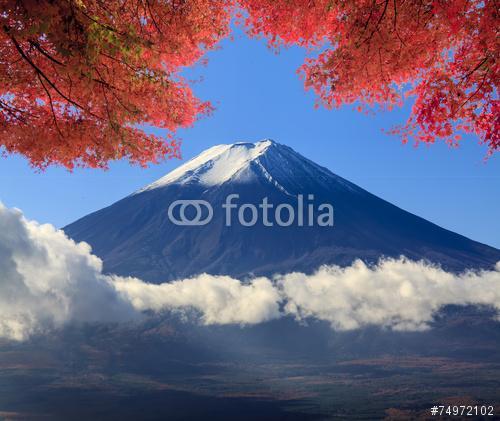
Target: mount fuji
x: 135, y: 236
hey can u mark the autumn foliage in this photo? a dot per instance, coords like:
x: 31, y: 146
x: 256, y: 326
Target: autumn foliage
x: 78, y: 78
x: 379, y: 52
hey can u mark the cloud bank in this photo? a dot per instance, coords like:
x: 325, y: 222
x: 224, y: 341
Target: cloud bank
x: 47, y: 280
x: 399, y: 294
x: 218, y: 299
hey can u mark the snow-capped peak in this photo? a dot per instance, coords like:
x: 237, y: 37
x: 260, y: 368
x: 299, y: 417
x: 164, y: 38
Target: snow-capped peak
x: 216, y: 165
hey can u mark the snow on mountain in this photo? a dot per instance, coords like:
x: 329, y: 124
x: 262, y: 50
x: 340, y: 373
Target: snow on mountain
x: 215, y: 165
x: 134, y: 236
x: 242, y: 162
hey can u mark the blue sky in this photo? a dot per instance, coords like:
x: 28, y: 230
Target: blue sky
x: 258, y: 95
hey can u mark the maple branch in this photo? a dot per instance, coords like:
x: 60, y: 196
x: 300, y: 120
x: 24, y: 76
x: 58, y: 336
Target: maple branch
x: 113, y: 92
x: 365, y: 26
x: 395, y: 15
x: 105, y: 26
x: 12, y: 111
x: 134, y: 69
x: 471, y: 95
x: 469, y: 74
x: 39, y: 48
x: 42, y: 74
x: 152, y: 17
x: 51, y: 107
x: 378, y: 22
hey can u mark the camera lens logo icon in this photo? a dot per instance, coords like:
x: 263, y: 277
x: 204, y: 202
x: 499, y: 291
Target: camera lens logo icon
x: 195, y: 219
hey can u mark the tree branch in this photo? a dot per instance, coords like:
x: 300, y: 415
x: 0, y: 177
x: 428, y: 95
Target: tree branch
x: 39, y: 48
x: 51, y: 107
x: 42, y: 74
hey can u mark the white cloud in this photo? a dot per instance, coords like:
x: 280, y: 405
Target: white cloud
x: 219, y: 299
x: 48, y: 280
x: 400, y: 294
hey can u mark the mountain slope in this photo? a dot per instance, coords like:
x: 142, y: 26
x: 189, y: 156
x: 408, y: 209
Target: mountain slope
x: 134, y: 236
